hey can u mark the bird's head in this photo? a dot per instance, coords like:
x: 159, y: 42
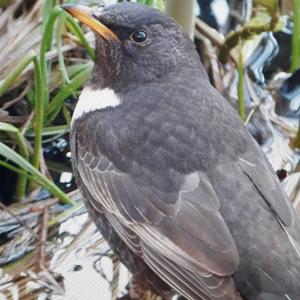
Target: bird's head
x: 134, y: 43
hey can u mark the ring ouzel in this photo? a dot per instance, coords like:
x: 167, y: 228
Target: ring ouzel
x: 169, y: 173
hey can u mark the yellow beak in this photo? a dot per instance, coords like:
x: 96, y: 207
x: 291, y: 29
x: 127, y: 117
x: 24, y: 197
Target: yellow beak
x: 85, y: 15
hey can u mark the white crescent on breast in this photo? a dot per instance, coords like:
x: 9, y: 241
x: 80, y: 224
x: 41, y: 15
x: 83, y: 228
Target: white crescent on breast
x: 91, y: 100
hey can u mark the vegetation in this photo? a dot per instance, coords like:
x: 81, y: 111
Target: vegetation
x: 47, y: 58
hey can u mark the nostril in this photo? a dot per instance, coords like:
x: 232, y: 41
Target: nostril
x: 96, y: 15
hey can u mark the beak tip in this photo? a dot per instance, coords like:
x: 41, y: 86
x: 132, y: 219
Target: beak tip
x: 87, y: 16
x: 75, y: 9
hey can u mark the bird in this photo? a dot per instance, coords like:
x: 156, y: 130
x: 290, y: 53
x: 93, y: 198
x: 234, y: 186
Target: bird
x: 169, y: 173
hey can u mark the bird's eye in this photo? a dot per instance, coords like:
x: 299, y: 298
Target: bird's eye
x: 139, y: 36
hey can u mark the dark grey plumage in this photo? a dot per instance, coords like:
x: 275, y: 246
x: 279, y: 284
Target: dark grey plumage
x: 173, y: 179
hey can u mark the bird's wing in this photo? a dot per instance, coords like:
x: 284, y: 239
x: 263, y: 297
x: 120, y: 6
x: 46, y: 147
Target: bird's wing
x: 260, y: 173
x: 180, y: 234
x: 286, y: 252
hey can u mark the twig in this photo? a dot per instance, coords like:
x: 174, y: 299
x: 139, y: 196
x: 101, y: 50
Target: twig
x: 116, y: 274
x: 75, y: 241
x: 44, y: 167
x: 216, y: 38
x: 8, y: 13
x: 43, y: 238
x: 248, y: 119
x: 13, y: 119
x: 27, y: 123
x: 50, y: 278
x: 213, y: 60
x: 14, y: 101
x: 3, y: 207
x: 40, y: 205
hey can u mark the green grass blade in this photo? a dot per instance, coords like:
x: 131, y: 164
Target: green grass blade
x: 13, y: 156
x: 241, y: 96
x: 47, y: 9
x: 66, y: 214
x: 59, y: 30
x: 67, y: 90
x: 50, y: 131
x: 20, y: 140
x: 296, y: 37
x: 66, y: 113
x: 46, y: 42
x: 39, y: 114
x: 20, y: 172
x: 75, y: 28
x: 23, y: 150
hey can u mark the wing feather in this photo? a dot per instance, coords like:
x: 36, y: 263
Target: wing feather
x: 259, y: 172
x: 187, y: 243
